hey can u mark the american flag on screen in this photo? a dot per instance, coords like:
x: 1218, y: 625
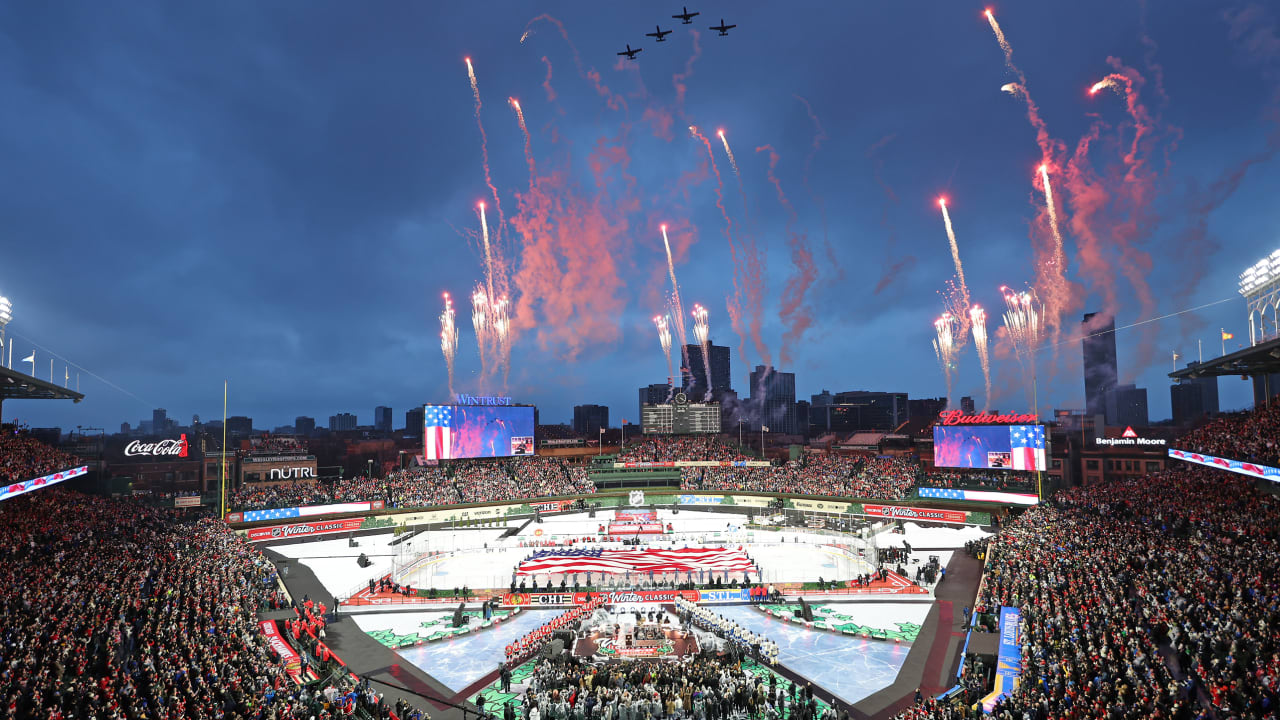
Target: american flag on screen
x: 1027, y: 443
x: 636, y: 561
x: 438, y: 432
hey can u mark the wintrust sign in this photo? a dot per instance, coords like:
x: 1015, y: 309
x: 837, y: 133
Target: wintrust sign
x: 164, y: 448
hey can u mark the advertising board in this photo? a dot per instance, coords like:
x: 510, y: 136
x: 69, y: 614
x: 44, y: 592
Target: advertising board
x: 477, y: 431
x: 902, y: 512
x: 307, y: 529
x: 1000, y: 447
x: 1266, y: 472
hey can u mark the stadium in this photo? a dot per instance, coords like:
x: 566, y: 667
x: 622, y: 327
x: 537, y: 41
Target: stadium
x: 260, y: 215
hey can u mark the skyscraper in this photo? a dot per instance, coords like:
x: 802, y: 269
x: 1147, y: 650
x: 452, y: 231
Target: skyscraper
x: 414, y: 421
x: 879, y: 411
x: 159, y: 421
x: 1127, y: 405
x: 239, y: 426
x: 694, y: 381
x: 1100, y: 372
x: 773, y: 400
x: 967, y: 406
x: 342, y: 421
x: 1194, y: 398
x: 382, y: 419
x: 304, y: 425
x: 654, y: 394
x: 589, y: 419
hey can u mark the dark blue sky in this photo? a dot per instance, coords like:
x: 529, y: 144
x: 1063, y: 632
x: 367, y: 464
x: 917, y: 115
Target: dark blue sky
x: 277, y: 193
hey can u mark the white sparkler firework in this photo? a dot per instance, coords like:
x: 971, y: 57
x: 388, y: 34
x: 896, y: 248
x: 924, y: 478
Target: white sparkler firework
x: 944, y: 347
x: 978, y: 320
x: 678, y: 313
x: 702, y: 331
x: 448, y: 337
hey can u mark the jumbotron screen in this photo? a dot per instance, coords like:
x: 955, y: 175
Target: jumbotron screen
x: 998, y: 447
x: 476, y: 431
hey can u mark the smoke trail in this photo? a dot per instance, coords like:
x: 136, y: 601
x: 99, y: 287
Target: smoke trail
x: 978, y: 319
x: 794, y: 314
x: 488, y: 256
x: 1048, y: 146
x: 546, y: 83
x: 1052, y: 273
x: 675, y: 299
x: 528, y: 142
x: 893, y: 267
x: 448, y: 338
x: 747, y: 275
x: 484, y: 153
x: 960, y: 293
x: 819, y: 137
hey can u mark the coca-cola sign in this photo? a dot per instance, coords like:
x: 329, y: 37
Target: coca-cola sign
x: 164, y: 448
x: 956, y: 417
x: 914, y: 513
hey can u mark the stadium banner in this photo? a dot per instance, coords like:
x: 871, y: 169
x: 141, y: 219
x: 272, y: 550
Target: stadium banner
x: 635, y: 516
x: 820, y: 506
x: 902, y: 512
x: 13, y: 490
x: 1266, y: 472
x: 739, y: 595
x: 979, y: 496
x: 322, y: 527
x: 700, y: 499
x: 292, y: 662
x: 690, y: 463
x: 551, y: 506
x: 636, y: 596
x: 523, y: 599
x: 633, y: 528
x: 311, y: 510
x: 1008, y: 657
x: 752, y: 501
x: 187, y: 501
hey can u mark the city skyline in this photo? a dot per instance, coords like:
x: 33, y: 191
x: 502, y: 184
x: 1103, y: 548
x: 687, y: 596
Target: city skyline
x: 291, y: 229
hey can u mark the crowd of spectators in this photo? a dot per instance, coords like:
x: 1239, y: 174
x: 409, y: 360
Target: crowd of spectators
x: 980, y: 480
x: 816, y: 473
x: 23, y: 457
x: 670, y: 448
x: 1252, y: 436
x: 697, y: 688
x: 112, y: 609
x: 1156, y: 597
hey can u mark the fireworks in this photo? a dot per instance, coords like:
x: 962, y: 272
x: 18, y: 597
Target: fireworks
x: 528, y: 141
x: 1057, y: 273
x: 944, y: 347
x: 664, y: 338
x: 729, y: 152
x: 978, y: 320
x: 1004, y: 44
x: 675, y: 298
x: 1022, y: 322
x: 1111, y: 81
x: 488, y: 255
x: 448, y: 337
x: 960, y: 291
x: 702, y: 331
x: 1011, y: 88
x: 480, y: 321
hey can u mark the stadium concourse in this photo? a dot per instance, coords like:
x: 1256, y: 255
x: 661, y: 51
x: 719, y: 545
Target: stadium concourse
x: 1156, y: 597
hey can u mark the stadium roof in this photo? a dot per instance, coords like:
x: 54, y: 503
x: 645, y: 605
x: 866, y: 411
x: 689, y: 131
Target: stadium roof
x: 1260, y: 359
x: 20, y: 386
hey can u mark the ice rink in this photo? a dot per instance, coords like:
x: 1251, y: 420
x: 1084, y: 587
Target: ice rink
x: 466, y: 561
x: 852, y: 668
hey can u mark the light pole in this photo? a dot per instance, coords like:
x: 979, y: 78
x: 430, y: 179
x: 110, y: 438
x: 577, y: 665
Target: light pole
x: 6, y: 314
x: 369, y: 474
x: 600, y: 444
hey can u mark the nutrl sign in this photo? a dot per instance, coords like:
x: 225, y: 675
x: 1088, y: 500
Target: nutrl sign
x: 294, y: 473
x: 164, y: 448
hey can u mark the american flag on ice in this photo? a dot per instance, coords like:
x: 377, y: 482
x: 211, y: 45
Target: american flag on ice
x: 637, y: 561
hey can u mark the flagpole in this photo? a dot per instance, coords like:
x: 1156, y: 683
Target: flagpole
x: 222, y: 485
x: 1222, y: 332
x: 1200, y: 349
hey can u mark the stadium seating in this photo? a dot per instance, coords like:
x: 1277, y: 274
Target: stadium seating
x: 23, y: 457
x: 1253, y: 436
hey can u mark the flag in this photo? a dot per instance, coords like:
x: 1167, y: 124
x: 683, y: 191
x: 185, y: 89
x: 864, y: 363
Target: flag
x: 30, y: 358
x: 1027, y: 445
x: 765, y: 428
x: 438, y: 432
x: 1227, y: 336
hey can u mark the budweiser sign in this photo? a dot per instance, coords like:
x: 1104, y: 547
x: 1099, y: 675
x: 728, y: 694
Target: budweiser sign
x: 914, y: 513
x: 164, y: 448
x: 956, y: 417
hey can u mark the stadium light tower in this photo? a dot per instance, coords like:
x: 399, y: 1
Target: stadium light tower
x: 1260, y: 286
x: 6, y: 314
